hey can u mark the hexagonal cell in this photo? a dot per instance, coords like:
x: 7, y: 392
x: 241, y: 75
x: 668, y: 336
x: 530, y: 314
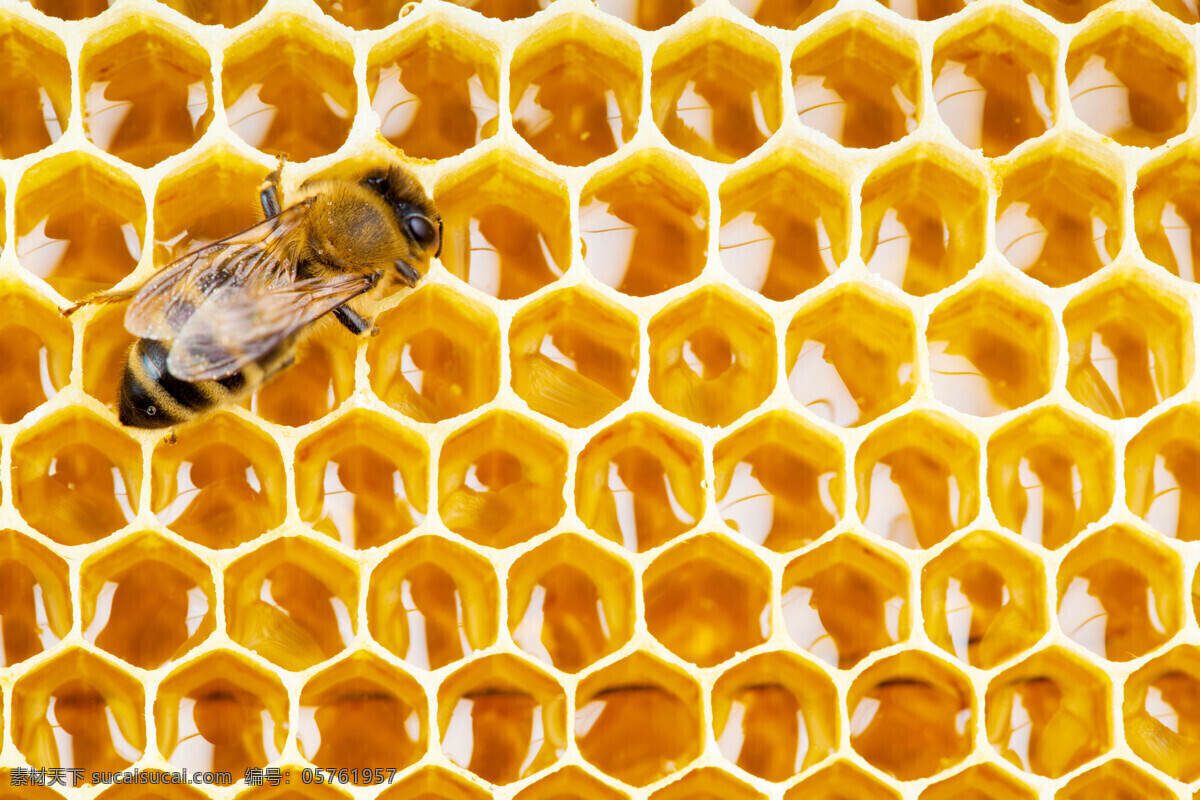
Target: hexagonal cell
x: 841, y: 781
x: 851, y: 355
x: 437, y: 356
x: 1160, y: 476
x: 362, y: 714
x: 715, y: 90
x: 433, y: 602
x: 363, y: 14
x: 35, y: 599
x: 228, y: 13
x: 105, y: 350
x: 1049, y: 713
x: 979, y: 782
x: 924, y: 217
x: 1165, y: 213
x: 500, y: 480
x: 1049, y: 476
x: 76, y: 477
x: 984, y: 600
x: 911, y: 716
x: 71, y: 9
x: 707, y: 783
x: 712, y: 356
x: 993, y: 80
x: 80, y: 224
x: 1118, y: 594
x: 1130, y: 343
x: 322, y: 380
x: 288, y: 88
x: 569, y: 783
x: 1114, y: 780
x: 649, y: 15
x: 1129, y: 79
x: 504, y: 9
x: 501, y: 719
x: 1059, y: 218
x: 992, y: 348
x: 147, y: 601
x: 775, y: 715
x: 433, y: 783
x: 37, y: 81
x: 576, y: 90
x: 570, y: 603
x: 35, y: 350
x: 77, y: 711
x: 574, y: 355
x: 846, y: 599
x: 858, y: 81
x: 639, y: 483
x: 146, y: 91
x: 220, y: 484
x: 638, y: 720
x: 644, y: 224
x: 221, y: 712
x: 918, y: 479
x: 435, y: 91
x: 1162, y: 718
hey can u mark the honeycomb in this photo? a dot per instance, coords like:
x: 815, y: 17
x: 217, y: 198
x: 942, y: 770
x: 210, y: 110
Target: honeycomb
x: 776, y: 422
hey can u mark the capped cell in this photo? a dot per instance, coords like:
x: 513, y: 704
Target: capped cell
x: 1160, y: 486
x: 858, y: 81
x: 1165, y: 214
x: 228, y: 13
x: 105, y: 351
x: 35, y: 350
x: 569, y: 783
x: 851, y: 355
x: 712, y: 357
x: 846, y: 599
x: 979, y: 782
x: 707, y: 783
x: 433, y: 602
x: 1162, y: 717
x: 35, y: 598
x: 644, y: 224
x: 649, y: 15
x: 363, y: 14
x: 36, y: 78
x: 1114, y: 780
x: 918, y: 479
x: 924, y: 217
x: 322, y: 379
x: 504, y: 9
x: 639, y: 483
x: 432, y: 782
x: 840, y: 780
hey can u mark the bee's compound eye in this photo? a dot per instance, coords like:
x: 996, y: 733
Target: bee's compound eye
x: 422, y: 231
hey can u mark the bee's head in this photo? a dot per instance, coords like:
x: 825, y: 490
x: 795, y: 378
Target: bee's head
x: 141, y: 404
x: 418, y: 219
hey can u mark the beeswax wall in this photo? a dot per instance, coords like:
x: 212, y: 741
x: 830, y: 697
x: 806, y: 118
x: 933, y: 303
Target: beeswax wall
x: 803, y: 405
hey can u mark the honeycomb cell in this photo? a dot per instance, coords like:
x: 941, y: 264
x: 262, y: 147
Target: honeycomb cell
x: 228, y: 13
x: 918, y: 479
x: 433, y: 783
x: 146, y: 91
x: 983, y: 599
x: 76, y: 711
x: 71, y: 9
x: 1058, y: 218
x: 569, y: 783
x: 362, y: 714
x: 992, y: 348
x: 504, y: 9
x: 500, y: 480
x: 924, y: 217
x: 290, y: 776
x: 293, y: 602
x: 220, y: 484
x: 288, y: 88
x: 994, y: 80
x: 639, y: 483
x: 1118, y: 594
x: 707, y: 783
x: 435, y: 91
x: 1128, y: 78
x: 105, y: 350
x: 1049, y: 714
x: 35, y: 599
x: 712, y: 357
x: 841, y: 780
x: 1069, y: 10
x: 1114, y: 780
x: 221, y: 712
x: 80, y: 224
x: 851, y: 355
x: 576, y: 90
x: 323, y: 378
x: 37, y: 88
x: 715, y: 90
x: 76, y: 478
x: 437, y: 356
x: 1162, y: 717
x: 980, y: 782
x: 649, y: 15
x: 35, y: 351
x: 846, y: 599
x: 644, y: 224
x: 574, y: 355
x: 911, y: 716
x: 501, y: 719
x: 1130, y: 346
x: 133, y: 791
x: 1160, y: 474
x: 433, y: 602
x: 147, y: 601
x: 775, y: 715
x: 1165, y: 213
x: 1049, y: 476
x: 363, y: 14
x: 638, y: 720
x: 570, y: 603
x: 858, y: 81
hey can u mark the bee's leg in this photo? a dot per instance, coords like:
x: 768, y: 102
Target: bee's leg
x: 268, y: 193
x: 352, y: 321
x: 407, y: 273
x: 101, y: 298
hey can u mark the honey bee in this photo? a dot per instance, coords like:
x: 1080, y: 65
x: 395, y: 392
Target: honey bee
x: 217, y: 323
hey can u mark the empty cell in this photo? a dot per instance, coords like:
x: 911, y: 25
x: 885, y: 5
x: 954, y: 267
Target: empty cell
x: 1162, y: 716
x: 569, y: 783
x: 227, y: 13
x: 363, y: 14
x: 432, y: 782
x: 839, y: 781
x: 979, y: 782
x: 925, y: 10
x: 1114, y: 780
x: 504, y: 9
x: 715, y: 91
x: 787, y: 14
x: 435, y: 91
x: 71, y: 9
x: 1166, y: 215
x: 35, y: 599
x: 288, y: 89
x: 35, y: 351
x: 37, y: 88
x: 924, y: 217
x: 321, y: 379
x: 105, y: 347
x: 80, y: 224
x: 576, y: 90
x: 644, y: 224
x: 649, y: 15
x: 1161, y: 467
